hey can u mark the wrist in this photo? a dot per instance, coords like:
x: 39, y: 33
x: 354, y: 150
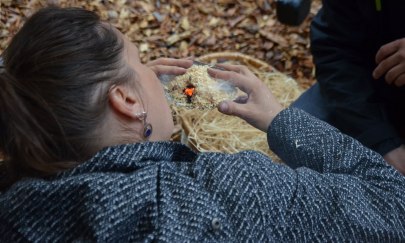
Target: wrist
x: 272, y: 116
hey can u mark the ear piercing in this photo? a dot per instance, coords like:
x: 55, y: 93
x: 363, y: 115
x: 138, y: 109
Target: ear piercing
x: 147, y: 127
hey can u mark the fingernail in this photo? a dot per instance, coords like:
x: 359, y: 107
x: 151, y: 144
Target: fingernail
x: 223, y: 106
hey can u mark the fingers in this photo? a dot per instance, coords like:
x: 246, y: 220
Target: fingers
x: 394, y: 73
x: 170, y: 66
x: 387, y: 50
x: 242, y: 82
x: 388, y: 58
x: 241, y: 99
x: 170, y: 70
x: 386, y: 65
x: 391, y: 62
x: 258, y: 107
x: 257, y: 116
x: 184, y: 63
x: 233, y: 109
x: 400, y: 81
x: 235, y: 68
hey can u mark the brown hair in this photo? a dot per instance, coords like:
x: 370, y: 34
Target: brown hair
x: 53, y: 68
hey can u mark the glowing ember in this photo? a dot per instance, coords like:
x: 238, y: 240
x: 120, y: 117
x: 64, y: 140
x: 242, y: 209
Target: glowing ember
x: 196, y: 89
x: 189, y: 92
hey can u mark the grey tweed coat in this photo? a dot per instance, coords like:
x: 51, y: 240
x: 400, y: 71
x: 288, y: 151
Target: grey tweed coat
x: 334, y: 189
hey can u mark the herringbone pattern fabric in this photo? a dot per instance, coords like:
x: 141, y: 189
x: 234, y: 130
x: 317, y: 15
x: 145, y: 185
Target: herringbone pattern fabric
x: 337, y: 190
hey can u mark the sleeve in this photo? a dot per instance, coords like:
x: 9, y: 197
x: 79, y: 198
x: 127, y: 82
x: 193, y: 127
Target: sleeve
x: 10, y: 234
x: 338, y: 185
x: 336, y: 190
x: 342, y: 52
x: 302, y: 140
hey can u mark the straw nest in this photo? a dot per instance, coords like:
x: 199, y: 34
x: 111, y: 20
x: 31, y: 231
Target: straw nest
x: 211, y: 131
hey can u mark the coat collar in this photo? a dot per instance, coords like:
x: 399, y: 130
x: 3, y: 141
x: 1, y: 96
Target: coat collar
x: 131, y: 157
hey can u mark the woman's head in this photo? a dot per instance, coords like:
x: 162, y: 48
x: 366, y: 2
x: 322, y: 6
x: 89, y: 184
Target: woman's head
x: 70, y: 86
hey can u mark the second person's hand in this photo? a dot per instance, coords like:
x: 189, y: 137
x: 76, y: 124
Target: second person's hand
x: 391, y: 63
x: 258, y: 107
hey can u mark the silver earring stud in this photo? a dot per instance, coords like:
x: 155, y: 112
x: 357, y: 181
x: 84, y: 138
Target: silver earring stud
x: 141, y: 115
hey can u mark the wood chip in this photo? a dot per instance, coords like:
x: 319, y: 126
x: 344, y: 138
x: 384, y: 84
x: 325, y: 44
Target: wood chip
x: 184, y: 27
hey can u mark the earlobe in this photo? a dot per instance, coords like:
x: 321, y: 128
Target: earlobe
x: 123, y: 101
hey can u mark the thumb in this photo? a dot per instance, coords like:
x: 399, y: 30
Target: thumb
x: 231, y: 108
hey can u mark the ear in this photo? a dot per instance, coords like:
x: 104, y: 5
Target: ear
x: 124, y: 101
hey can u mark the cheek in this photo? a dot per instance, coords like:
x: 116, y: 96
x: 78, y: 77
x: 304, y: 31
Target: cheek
x: 156, y: 93
x: 157, y: 86
x: 151, y: 85
x: 153, y: 81
x: 161, y: 112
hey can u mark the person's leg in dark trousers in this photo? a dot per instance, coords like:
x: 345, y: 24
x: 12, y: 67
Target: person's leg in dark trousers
x: 312, y: 102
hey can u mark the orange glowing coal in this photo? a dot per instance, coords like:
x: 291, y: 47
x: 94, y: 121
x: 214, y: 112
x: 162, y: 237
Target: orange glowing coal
x: 189, y: 90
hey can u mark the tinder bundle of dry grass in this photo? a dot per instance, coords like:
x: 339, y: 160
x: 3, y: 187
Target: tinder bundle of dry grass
x: 198, y: 90
x: 209, y: 130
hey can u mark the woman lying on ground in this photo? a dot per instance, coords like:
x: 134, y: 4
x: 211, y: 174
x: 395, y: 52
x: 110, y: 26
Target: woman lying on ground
x: 82, y: 162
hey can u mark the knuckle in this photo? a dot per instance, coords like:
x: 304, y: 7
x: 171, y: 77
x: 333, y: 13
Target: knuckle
x: 244, y: 68
x: 163, y: 60
x: 383, y: 66
x: 231, y: 75
x: 231, y: 108
x: 389, y: 76
x: 401, y: 55
x: 240, y: 68
x: 223, y: 75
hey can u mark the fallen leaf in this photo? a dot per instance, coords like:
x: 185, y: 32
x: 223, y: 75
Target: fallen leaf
x: 179, y: 28
x: 185, y: 24
x: 274, y: 37
x: 144, y: 47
